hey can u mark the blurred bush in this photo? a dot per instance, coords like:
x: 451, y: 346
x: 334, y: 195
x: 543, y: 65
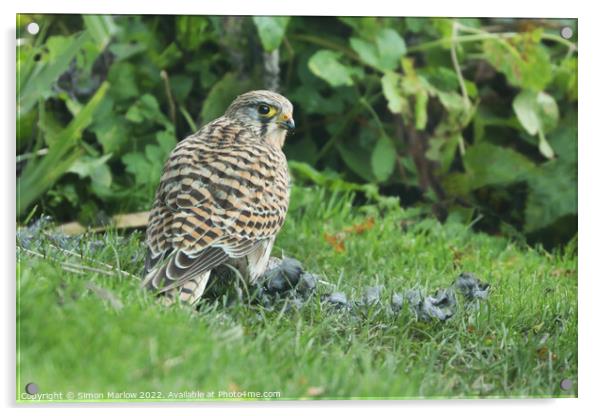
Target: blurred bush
x: 473, y: 119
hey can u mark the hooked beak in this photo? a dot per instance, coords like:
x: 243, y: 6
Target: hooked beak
x: 286, y: 121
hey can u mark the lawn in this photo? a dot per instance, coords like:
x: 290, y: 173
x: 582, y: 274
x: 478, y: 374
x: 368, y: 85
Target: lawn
x: 94, y: 333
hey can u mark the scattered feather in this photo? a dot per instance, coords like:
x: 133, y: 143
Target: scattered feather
x: 371, y: 295
x: 471, y: 287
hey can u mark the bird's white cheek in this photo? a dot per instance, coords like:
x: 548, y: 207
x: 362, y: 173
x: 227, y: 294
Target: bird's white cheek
x: 275, y: 136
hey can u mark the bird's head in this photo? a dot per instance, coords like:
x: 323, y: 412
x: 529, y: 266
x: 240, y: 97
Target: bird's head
x: 268, y: 114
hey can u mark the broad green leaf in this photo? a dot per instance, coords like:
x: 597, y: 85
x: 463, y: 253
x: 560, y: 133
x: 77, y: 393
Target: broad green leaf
x: 49, y: 125
x: 146, y: 108
x: 434, y: 151
x: 155, y: 155
x: 40, y: 175
x: 565, y: 78
x: 39, y: 81
x: 122, y: 77
x: 313, y: 102
x: 86, y: 165
x: 416, y: 24
x: 123, y: 51
x: 325, y: 64
x: 101, y: 28
x: 271, y: 30
x: 452, y: 101
x: 525, y: 108
x: 102, y: 181
x: 221, y: 95
x: 366, y: 51
x: 181, y: 85
x: 538, y: 114
x: 147, y: 167
x: 169, y: 57
x: 384, y: 53
x: 552, y: 194
x: 391, y: 85
x: 443, y: 25
x: 167, y: 141
x: 487, y: 164
x: 544, y: 147
x: 443, y: 150
x: 111, y: 134
x: 383, y: 158
x: 443, y: 78
x: 139, y: 166
x: 525, y: 63
x: 457, y: 183
x: 564, y: 139
x: 357, y: 159
x: 365, y: 27
x: 191, y: 31
x: 547, y: 112
x: 391, y: 47
x: 94, y: 168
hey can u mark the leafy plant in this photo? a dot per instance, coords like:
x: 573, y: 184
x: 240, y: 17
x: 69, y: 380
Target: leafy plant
x: 474, y: 118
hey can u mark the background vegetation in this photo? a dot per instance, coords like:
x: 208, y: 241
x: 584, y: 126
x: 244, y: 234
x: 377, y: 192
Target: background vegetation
x: 470, y: 118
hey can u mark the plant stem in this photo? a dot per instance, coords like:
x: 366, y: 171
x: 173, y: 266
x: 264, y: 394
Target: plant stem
x: 547, y: 36
x: 25, y: 156
x: 369, y: 107
x: 456, y: 64
x: 484, y: 36
x: 188, y: 118
x: 170, y: 100
x: 327, y: 44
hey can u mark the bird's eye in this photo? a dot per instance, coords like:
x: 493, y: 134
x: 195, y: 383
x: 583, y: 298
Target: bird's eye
x: 264, y: 109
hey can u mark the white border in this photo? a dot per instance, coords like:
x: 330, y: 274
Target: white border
x: 506, y: 8
x: 590, y: 209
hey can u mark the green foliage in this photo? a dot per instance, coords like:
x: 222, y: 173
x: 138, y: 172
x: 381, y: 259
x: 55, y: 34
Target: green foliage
x: 326, y: 65
x: 553, y: 190
x: 523, y: 60
x: 552, y: 194
x: 271, y: 30
x: 434, y: 110
x: 38, y: 69
x: 192, y: 31
x: 383, y: 158
x: 487, y: 164
x: 538, y: 114
x: 390, y: 47
x: 38, y: 177
x: 100, y: 28
x: 221, y: 95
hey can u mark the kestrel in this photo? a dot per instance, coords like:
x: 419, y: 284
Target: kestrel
x: 222, y: 198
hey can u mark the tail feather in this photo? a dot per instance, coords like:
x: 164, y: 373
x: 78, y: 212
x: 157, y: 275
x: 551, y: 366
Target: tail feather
x: 191, y: 291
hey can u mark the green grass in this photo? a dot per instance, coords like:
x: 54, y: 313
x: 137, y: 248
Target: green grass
x: 521, y: 342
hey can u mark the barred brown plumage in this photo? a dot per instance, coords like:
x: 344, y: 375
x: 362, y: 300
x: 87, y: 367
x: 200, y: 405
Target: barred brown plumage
x: 223, y: 198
